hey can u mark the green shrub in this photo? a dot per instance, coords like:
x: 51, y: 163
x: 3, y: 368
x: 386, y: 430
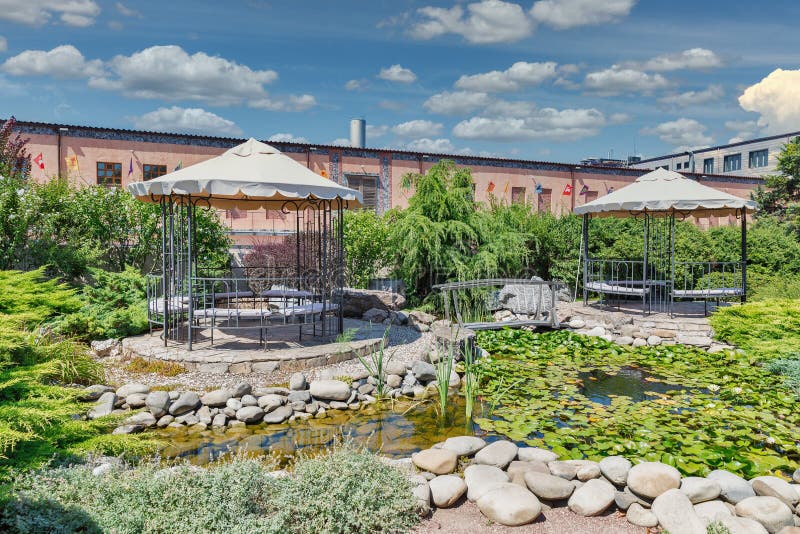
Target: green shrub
x: 366, y: 246
x: 789, y: 368
x: 765, y: 328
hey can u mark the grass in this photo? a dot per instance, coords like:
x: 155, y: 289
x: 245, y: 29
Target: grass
x: 766, y: 329
x: 159, y: 367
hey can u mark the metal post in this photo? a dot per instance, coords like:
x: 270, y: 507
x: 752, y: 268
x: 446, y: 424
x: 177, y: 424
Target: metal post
x: 744, y: 255
x: 644, y: 266
x: 190, y: 261
x: 340, y: 281
x: 672, y: 262
x: 585, y: 254
x: 164, y: 283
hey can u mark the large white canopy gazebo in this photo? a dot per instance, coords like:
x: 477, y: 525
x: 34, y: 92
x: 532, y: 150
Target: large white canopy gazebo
x: 658, y: 197
x: 186, y: 297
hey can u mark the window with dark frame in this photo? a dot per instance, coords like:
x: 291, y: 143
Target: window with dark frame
x: 732, y: 162
x: 545, y: 201
x: 153, y: 171
x: 109, y: 174
x: 367, y: 185
x: 518, y: 195
x: 708, y: 165
x: 758, y: 158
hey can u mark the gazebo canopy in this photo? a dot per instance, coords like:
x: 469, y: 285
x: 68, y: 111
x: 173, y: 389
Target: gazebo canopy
x: 664, y: 191
x: 250, y: 176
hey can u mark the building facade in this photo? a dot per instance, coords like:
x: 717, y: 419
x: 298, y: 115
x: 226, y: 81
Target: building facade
x: 113, y: 157
x: 756, y: 157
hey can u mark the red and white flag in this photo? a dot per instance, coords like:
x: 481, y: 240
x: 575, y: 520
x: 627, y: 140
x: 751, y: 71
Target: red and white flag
x: 39, y: 161
x: 567, y: 190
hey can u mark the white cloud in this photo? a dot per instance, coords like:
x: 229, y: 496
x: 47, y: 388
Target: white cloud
x: 397, y: 73
x: 456, y: 103
x: 287, y: 138
x: 520, y: 74
x: 618, y: 80
x: 190, y: 120
x: 426, y: 144
x: 565, y: 14
x: 693, y: 98
x: 488, y: 21
x: 694, y: 59
x: 290, y: 103
x: 619, y: 118
x: 418, y: 128
x: 3, y: 44
x: 128, y: 12
x: 170, y: 73
x: 62, y: 62
x: 683, y: 133
x: 546, y: 123
x: 340, y: 141
x: 356, y: 85
x: 376, y: 130
x: 744, y: 130
x: 776, y: 99
x: 78, y: 13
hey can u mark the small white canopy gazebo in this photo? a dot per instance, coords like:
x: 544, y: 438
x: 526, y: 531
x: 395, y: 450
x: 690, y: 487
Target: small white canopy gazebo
x: 658, y: 197
x: 186, y: 296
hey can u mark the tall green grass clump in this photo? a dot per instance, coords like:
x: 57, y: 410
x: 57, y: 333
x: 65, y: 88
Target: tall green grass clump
x: 376, y: 364
x: 444, y: 367
x: 472, y: 377
x: 766, y: 329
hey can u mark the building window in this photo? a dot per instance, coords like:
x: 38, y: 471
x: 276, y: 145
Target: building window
x: 678, y: 167
x: 518, y: 195
x: 153, y: 171
x: 109, y: 174
x: 708, y: 166
x: 732, y: 163
x: 367, y: 185
x: 758, y: 158
x: 545, y: 200
x: 665, y: 167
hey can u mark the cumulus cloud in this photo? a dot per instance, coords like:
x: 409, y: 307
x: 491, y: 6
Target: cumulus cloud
x: 426, y: 144
x: 397, y: 73
x: 374, y: 130
x: 776, y: 99
x: 744, y: 130
x: 693, y: 59
x: 456, y: 103
x: 693, y: 98
x: 488, y: 21
x: 356, y: 85
x: 340, y: 141
x: 527, y: 122
x: 127, y: 11
x: 520, y: 74
x: 683, y: 134
x: 78, y: 13
x: 565, y: 14
x: 61, y: 62
x: 619, y: 118
x: 418, y: 128
x: 290, y: 103
x: 287, y: 138
x: 618, y: 80
x: 188, y: 120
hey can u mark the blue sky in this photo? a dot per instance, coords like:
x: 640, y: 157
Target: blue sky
x: 546, y: 79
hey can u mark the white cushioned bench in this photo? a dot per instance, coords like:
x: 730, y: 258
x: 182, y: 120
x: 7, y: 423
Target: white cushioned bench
x: 610, y: 286
x: 711, y: 293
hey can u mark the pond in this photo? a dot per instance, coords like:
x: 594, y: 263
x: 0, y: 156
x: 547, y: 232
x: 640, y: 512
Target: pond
x: 638, y: 385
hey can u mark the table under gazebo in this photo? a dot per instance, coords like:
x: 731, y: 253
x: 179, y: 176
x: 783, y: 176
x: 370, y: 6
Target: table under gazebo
x: 656, y: 278
x: 187, y: 297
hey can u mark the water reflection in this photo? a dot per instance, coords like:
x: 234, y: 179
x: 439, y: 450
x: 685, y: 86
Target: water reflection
x: 601, y: 386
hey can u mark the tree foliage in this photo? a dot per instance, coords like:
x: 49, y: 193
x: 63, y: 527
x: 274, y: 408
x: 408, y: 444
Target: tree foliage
x: 366, y: 247
x: 781, y: 194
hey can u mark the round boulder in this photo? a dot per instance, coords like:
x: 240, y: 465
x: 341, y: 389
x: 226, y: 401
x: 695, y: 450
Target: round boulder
x: 277, y: 415
x: 771, y: 512
x: 480, y: 478
x: 330, y: 390
x: 510, y: 505
x: 217, y: 398
x: 593, y: 498
x: 187, y: 402
x: 651, y: 479
x: 464, y: 445
x: 615, y: 469
x: 446, y: 490
x: 250, y: 414
x: 535, y: 454
x: 548, y: 487
x: 499, y: 454
x: 128, y: 389
x: 438, y: 461
x: 675, y: 513
x: 640, y: 516
x: 770, y: 486
x: 733, y: 487
x: 700, y: 489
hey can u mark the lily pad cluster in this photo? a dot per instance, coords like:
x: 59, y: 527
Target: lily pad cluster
x: 727, y: 411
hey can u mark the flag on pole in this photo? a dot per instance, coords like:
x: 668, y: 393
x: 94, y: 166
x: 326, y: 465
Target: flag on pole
x: 130, y: 168
x: 567, y: 190
x: 538, y: 189
x: 179, y: 166
x: 584, y: 190
x: 39, y: 161
x: 491, y: 187
x: 72, y: 164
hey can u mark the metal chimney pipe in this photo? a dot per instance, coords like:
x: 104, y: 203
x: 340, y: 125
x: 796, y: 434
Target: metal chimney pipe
x: 358, y: 133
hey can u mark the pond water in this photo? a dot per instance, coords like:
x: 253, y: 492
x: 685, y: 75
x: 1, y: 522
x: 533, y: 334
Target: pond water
x: 601, y: 385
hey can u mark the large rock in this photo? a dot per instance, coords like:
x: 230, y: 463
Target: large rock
x: 615, y: 469
x: 278, y: 415
x: 651, y: 479
x: 188, y: 401
x: 446, y: 490
x: 769, y: 486
x: 136, y: 400
x: 733, y: 487
x: 375, y: 315
x: 417, y: 317
x: 330, y: 390
x: 270, y: 402
x: 709, y: 510
x: 510, y: 505
x: 103, y: 406
x: 358, y: 301
x: 145, y: 419
x: 158, y: 403
x: 128, y: 429
x: 423, y: 371
x: 675, y: 513
x: 518, y: 467
x: 298, y: 382
x: 438, y: 461
x: 464, y: 445
x: 535, y: 454
x: 499, y: 454
x: 105, y: 347
x: 593, y: 498
x: 547, y: 486
x: 771, y: 512
x: 127, y: 389
x: 295, y: 396
x: 700, y: 489
x: 217, y: 398
x: 741, y: 525
x: 250, y: 414
x: 525, y: 299
x: 640, y: 516
x: 93, y: 392
x: 241, y: 389
x: 564, y: 470
x: 480, y: 478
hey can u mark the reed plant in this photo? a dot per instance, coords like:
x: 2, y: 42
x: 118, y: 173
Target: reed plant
x: 444, y: 367
x: 376, y: 364
x: 472, y: 378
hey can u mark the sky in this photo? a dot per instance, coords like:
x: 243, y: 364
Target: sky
x: 554, y: 80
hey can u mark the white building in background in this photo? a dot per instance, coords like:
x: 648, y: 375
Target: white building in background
x: 755, y: 157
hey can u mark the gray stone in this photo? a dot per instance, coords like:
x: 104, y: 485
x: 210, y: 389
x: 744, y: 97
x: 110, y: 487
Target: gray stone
x: 136, y: 400
x: 740, y: 525
x: 375, y: 315
x: 103, y: 406
x: 278, y: 415
x: 217, y: 398
x: 394, y: 381
x: 330, y: 390
x: 417, y: 317
x: 270, y: 401
x: 127, y: 389
x: 770, y: 486
x: 510, y: 505
x: 576, y: 324
x: 597, y: 331
x: 249, y: 400
x: 479, y: 478
x: 446, y: 490
x: 312, y: 407
x: 165, y: 420
x: 396, y: 368
x: 563, y: 469
x: 700, y: 489
x: 535, y: 454
x: 624, y: 340
x: 709, y: 510
x: 640, y: 516
x: 298, y: 382
x: 242, y: 389
x: 366, y: 389
x: 188, y: 401
x: 174, y: 394
x: 615, y: 469
x: 260, y: 392
x: 624, y: 499
x: 654, y: 341
x: 593, y: 498
x: 651, y: 479
x: 547, y: 486
x: 105, y: 347
x: 464, y: 445
x: 301, y: 396
x: 675, y: 513
x: 204, y: 415
x: 128, y: 429
x: 588, y: 472
x: 423, y: 371
x: 338, y: 405
x: 422, y: 492
x: 234, y: 404
x: 525, y: 299
x: 771, y: 512
x: 455, y: 380
x: 92, y: 393
x: 639, y: 342
x: 219, y: 420
x: 102, y: 469
x: 297, y: 406
x: 499, y: 454
x: 796, y: 476
x: 519, y: 467
x: 733, y: 487
x: 144, y: 419
x: 438, y: 461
